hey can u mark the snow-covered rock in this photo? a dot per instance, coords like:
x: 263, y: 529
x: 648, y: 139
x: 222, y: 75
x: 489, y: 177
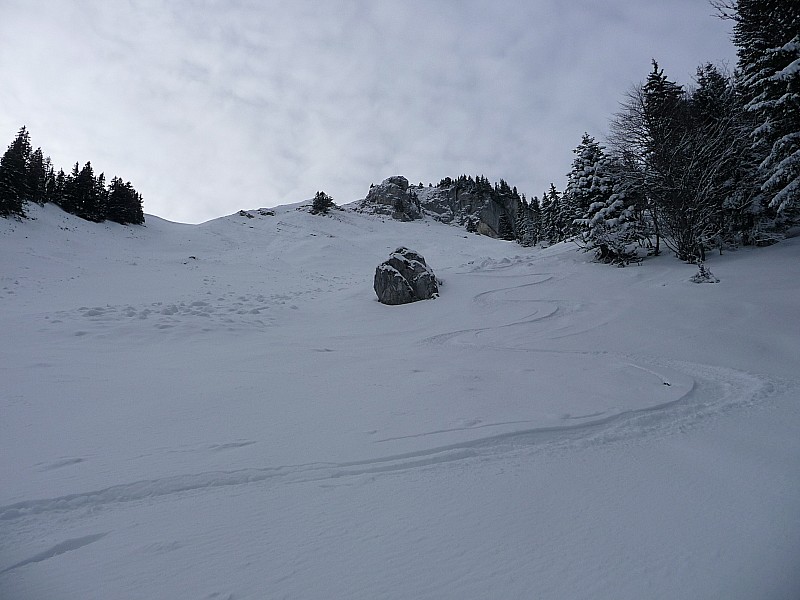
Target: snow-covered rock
x: 475, y: 205
x: 392, y: 196
x: 405, y: 277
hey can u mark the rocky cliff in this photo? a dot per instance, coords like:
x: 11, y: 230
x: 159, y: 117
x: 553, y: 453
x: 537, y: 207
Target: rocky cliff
x: 492, y: 210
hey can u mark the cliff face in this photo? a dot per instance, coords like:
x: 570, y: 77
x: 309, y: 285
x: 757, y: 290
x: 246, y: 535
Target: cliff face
x: 394, y: 197
x: 474, y: 204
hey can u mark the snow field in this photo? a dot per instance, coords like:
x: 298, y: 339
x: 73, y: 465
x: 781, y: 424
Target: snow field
x: 225, y: 411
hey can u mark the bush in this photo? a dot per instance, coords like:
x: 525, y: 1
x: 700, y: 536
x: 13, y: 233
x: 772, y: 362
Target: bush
x: 322, y: 204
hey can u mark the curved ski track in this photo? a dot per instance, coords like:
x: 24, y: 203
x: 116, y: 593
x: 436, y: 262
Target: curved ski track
x: 715, y: 390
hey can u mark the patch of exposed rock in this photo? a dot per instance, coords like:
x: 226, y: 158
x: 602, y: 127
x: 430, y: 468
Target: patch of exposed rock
x: 392, y: 196
x: 471, y: 203
x: 405, y: 277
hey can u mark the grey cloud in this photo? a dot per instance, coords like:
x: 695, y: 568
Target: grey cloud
x: 209, y: 107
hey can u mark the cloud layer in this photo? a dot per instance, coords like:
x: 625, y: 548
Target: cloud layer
x: 209, y: 107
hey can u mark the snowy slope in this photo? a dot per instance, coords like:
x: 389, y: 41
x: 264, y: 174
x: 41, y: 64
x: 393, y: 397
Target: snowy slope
x: 225, y: 411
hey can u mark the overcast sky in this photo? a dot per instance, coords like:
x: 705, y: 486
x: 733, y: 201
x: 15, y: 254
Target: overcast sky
x: 210, y: 106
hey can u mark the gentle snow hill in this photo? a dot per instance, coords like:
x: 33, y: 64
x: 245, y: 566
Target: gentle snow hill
x: 225, y: 410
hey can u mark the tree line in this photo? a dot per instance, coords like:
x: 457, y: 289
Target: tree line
x: 26, y: 175
x: 708, y: 167
x: 688, y: 169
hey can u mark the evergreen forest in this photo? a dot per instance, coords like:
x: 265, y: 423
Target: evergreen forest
x: 26, y: 175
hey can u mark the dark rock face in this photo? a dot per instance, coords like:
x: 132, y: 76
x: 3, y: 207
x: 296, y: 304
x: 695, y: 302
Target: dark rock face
x: 473, y: 204
x: 405, y: 277
x: 391, y: 287
x: 393, y: 196
x: 483, y: 210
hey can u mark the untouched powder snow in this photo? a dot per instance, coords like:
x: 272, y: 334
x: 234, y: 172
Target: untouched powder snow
x: 225, y: 411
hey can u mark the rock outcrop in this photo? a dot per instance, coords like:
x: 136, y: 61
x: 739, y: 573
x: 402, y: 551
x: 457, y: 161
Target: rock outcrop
x: 392, y: 196
x: 473, y: 203
x: 405, y: 277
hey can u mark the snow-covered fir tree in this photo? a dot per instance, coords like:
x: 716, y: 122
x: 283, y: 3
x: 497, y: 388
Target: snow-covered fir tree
x: 767, y: 35
x: 611, y: 226
x: 555, y: 219
x: 586, y: 184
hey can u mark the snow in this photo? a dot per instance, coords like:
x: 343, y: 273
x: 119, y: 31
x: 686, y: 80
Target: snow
x: 225, y: 411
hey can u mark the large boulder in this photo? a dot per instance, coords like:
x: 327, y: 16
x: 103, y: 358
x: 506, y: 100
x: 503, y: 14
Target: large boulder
x: 405, y: 277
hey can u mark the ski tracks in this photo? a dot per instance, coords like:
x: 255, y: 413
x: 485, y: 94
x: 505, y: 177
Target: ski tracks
x: 716, y: 390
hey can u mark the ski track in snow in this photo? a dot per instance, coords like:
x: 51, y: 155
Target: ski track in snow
x: 716, y: 390
x: 61, y: 548
x: 536, y: 315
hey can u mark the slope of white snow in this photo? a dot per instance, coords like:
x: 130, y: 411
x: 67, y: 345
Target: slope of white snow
x: 225, y: 411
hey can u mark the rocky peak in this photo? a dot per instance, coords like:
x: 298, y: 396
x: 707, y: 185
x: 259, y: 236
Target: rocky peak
x: 392, y: 196
x: 473, y: 203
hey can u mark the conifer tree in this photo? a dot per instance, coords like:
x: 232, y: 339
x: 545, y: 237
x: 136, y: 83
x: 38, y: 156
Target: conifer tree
x: 680, y: 153
x: 86, y: 199
x: 767, y: 36
x: 56, y: 190
x: 523, y: 227
x: 36, y: 177
x: 546, y: 219
x: 554, y: 220
x: 535, y: 211
x: 13, y: 175
x: 505, y: 228
x: 124, y: 204
x: 322, y: 203
x: 724, y: 162
x: 100, y: 198
x: 586, y: 184
x: 611, y: 226
x: 68, y: 198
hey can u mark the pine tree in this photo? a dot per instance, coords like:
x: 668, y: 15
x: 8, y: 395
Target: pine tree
x: 49, y: 181
x: 36, y: 177
x: 546, y: 219
x: 523, y: 226
x: 68, y: 198
x: 535, y: 211
x: 56, y: 191
x: 323, y: 203
x: 610, y: 225
x: 101, y: 199
x: 585, y: 183
x: 723, y: 160
x: 767, y: 36
x: 86, y: 200
x: 505, y: 228
x: 13, y: 175
x: 681, y: 162
x: 554, y: 220
x: 124, y: 204
x: 665, y: 120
